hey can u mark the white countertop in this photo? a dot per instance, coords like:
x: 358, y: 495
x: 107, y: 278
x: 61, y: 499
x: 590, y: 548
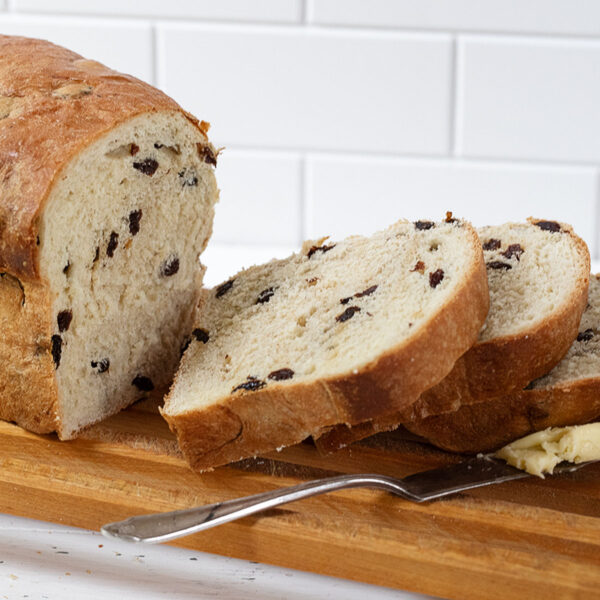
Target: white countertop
x: 46, y: 561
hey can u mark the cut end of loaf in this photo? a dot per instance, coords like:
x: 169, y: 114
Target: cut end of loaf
x: 568, y: 395
x: 120, y: 241
x: 538, y: 274
x: 538, y: 280
x: 533, y: 269
x: 582, y: 360
x: 336, y: 333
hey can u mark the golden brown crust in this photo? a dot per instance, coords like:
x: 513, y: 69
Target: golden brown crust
x: 489, y: 425
x: 489, y: 369
x: 248, y: 423
x: 53, y: 103
x: 27, y: 382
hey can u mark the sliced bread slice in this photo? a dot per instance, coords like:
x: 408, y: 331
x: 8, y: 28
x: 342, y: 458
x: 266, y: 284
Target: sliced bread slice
x: 340, y: 332
x: 568, y: 395
x: 538, y: 279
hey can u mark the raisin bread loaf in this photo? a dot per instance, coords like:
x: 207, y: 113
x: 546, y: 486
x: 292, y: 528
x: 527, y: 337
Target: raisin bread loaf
x: 340, y: 332
x: 538, y: 279
x: 568, y: 395
x: 106, y: 202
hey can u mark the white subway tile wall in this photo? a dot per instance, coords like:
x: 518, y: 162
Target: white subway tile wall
x: 271, y: 11
x: 349, y: 195
x: 124, y: 45
x: 340, y: 116
x: 533, y: 99
x: 261, y: 198
x: 288, y: 87
x: 520, y: 16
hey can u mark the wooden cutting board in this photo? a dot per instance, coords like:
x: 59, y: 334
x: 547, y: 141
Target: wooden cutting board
x: 524, y: 539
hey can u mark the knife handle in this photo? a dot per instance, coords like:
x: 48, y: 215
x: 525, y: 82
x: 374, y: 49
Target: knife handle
x: 163, y: 527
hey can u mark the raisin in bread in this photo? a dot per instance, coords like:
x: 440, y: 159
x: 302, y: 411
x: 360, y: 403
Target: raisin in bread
x: 337, y: 333
x: 106, y: 202
x: 538, y: 279
x: 568, y: 395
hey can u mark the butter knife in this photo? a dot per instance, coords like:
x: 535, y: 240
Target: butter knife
x: 479, y: 471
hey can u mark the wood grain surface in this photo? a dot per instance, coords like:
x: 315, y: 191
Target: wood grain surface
x: 526, y: 539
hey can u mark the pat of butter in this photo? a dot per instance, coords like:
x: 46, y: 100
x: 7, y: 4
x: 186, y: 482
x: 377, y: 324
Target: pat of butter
x: 540, y: 452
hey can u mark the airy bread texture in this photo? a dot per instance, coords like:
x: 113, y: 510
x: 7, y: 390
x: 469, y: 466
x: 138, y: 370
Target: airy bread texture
x: 340, y: 332
x: 106, y: 203
x: 538, y: 280
x: 568, y: 395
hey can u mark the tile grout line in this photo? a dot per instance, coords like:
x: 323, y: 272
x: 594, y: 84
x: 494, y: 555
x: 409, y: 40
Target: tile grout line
x: 158, y: 59
x: 307, y: 12
x: 595, y: 252
x: 153, y: 37
x: 307, y: 20
x: 369, y: 155
x: 305, y: 197
x: 452, y: 109
x: 141, y: 18
x: 483, y: 32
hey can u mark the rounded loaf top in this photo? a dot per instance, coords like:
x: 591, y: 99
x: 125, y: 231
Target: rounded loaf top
x: 54, y: 103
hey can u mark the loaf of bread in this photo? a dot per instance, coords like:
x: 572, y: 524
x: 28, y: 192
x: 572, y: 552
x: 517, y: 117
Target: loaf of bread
x: 107, y: 196
x: 538, y: 276
x: 340, y: 332
x: 568, y: 395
